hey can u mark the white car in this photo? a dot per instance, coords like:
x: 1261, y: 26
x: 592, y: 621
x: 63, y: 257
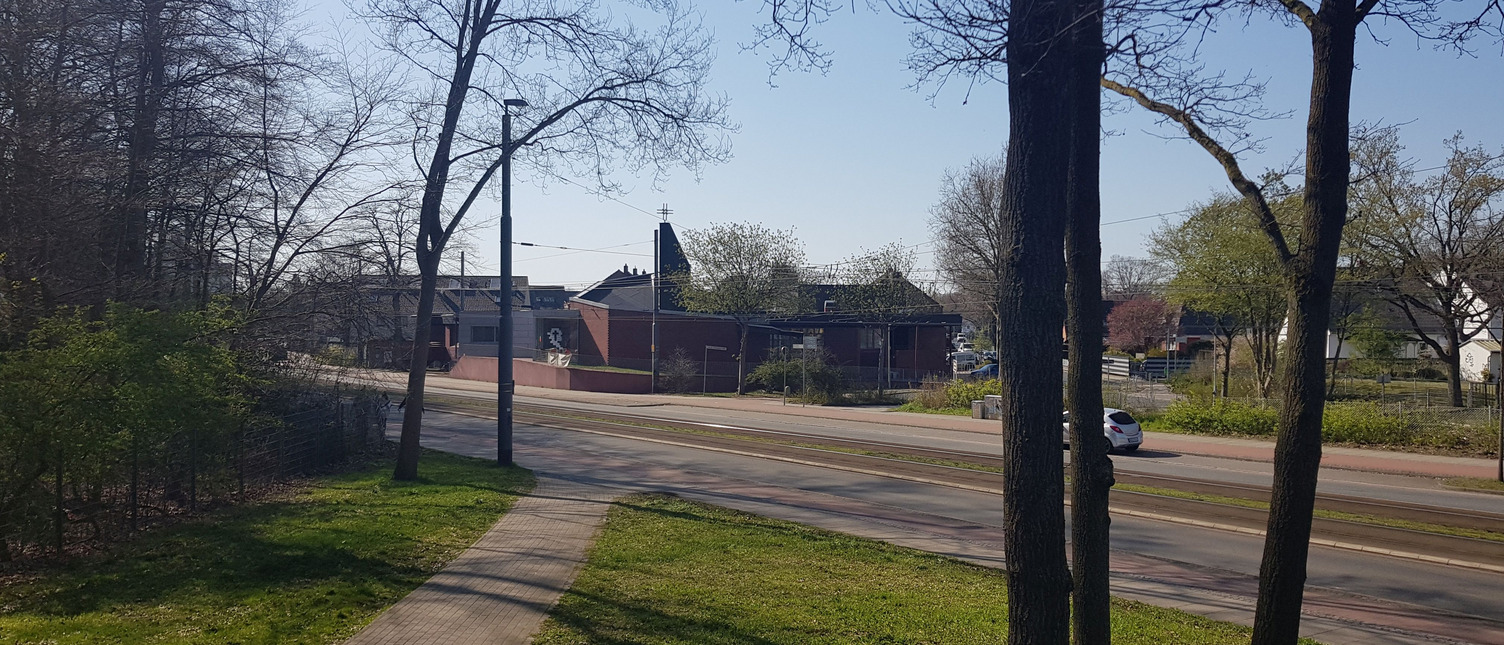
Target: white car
x: 1120, y: 428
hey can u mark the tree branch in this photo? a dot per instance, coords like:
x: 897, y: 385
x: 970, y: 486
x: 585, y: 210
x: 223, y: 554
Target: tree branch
x: 1250, y: 191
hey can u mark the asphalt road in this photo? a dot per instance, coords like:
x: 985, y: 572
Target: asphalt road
x: 1340, y: 582
x: 1378, y: 486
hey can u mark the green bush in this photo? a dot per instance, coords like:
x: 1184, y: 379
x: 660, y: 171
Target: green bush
x: 1342, y: 422
x: 97, y: 400
x: 1365, y: 423
x: 824, y: 380
x: 1220, y: 418
x: 960, y: 394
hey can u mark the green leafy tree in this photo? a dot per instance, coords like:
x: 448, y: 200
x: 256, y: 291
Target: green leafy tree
x: 742, y: 270
x: 1224, y: 267
x: 1376, y: 343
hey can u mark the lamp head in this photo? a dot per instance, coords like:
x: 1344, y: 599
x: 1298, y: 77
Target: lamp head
x: 519, y: 103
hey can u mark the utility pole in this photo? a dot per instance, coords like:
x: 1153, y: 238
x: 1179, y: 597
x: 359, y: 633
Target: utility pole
x: 663, y: 212
x: 505, y: 386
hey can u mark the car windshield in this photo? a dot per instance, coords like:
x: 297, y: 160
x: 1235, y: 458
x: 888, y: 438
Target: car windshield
x: 1121, y: 417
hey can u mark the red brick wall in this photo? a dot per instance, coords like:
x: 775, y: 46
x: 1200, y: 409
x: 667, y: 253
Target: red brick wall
x: 846, y: 344
x: 933, y: 344
x: 527, y: 372
x: 595, y: 339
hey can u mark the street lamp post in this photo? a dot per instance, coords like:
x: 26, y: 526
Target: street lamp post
x: 505, y: 386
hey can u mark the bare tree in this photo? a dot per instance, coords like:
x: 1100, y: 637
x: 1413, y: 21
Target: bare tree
x: 327, y: 134
x: 1433, y: 244
x: 967, y: 234
x: 1125, y: 278
x: 602, y: 91
x: 877, y: 286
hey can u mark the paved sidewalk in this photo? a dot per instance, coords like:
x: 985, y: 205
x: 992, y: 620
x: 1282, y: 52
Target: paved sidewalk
x: 499, y: 590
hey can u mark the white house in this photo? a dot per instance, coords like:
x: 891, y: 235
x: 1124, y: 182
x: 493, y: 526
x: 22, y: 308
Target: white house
x: 1478, y: 356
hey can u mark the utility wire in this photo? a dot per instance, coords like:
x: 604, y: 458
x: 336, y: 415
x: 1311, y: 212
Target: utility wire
x: 572, y: 250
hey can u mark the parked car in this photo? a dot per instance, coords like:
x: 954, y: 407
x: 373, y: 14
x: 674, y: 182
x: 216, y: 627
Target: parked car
x: 962, y: 362
x: 988, y: 371
x: 1120, y: 428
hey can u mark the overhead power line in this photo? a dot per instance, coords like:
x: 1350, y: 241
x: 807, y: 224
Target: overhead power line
x: 572, y: 250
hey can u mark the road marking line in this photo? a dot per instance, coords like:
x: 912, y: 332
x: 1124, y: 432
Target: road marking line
x: 1173, y: 519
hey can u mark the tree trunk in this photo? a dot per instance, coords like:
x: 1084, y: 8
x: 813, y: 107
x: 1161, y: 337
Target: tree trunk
x: 1227, y: 364
x: 150, y: 74
x: 1331, y: 388
x: 409, y: 447
x: 1453, y: 357
x: 1031, y: 312
x: 1312, y: 272
x: 1091, y: 469
x: 741, y: 362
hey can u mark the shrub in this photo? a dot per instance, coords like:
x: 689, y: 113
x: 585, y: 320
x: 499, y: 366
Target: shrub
x: 678, y: 371
x: 824, y: 380
x: 1342, y: 422
x: 103, y: 399
x: 1364, y: 423
x: 1220, y: 418
x: 931, y: 394
x: 1430, y: 373
x: 960, y: 394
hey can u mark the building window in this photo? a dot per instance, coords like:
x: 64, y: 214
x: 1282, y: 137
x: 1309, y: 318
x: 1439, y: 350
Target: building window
x: 872, y: 338
x: 479, y: 334
x: 903, y: 338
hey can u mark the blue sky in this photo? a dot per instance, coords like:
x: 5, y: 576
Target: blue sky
x: 853, y: 159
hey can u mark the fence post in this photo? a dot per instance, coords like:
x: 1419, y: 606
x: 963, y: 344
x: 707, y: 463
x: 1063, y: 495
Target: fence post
x: 57, y: 514
x: 1500, y: 396
x: 135, y: 480
x: 192, y: 472
x: 240, y: 461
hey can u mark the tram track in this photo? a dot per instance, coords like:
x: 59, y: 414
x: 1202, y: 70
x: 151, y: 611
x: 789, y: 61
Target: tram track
x: 889, y: 459
x: 1170, y: 498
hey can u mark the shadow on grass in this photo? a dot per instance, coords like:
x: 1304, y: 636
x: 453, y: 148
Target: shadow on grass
x: 354, y: 541
x: 606, y: 621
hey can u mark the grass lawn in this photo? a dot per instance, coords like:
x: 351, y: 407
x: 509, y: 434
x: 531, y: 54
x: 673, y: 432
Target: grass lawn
x: 1473, y: 483
x: 915, y: 406
x: 670, y: 571
x: 609, y: 368
x: 311, y: 568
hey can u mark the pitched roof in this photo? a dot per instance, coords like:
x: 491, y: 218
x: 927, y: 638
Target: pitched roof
x: 1487, y: 345
x: 622, y: 290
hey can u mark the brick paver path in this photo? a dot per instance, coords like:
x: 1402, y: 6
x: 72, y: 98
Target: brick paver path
x: 498, y: 591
